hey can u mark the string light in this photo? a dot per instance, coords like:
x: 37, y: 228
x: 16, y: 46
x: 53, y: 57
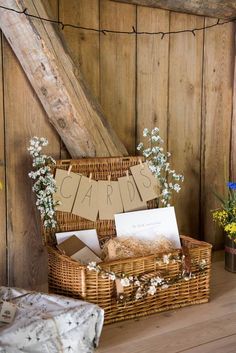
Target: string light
x: 107, y: 31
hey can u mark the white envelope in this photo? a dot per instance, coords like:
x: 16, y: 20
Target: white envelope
x: 149, y: 225
x: 88, y: 237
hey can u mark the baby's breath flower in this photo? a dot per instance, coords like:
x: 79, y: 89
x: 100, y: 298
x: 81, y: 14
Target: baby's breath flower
x: 125, y: 282
x: 45, y: 185
x: 112, y: 276
x: 155, y: 131
x: 152, y: 290
x: 159, y: 165
x: 140, y: 146
x: 166, y: 259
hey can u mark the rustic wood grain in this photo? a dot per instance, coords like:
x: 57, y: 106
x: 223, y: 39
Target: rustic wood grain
x: 118, y: 70
x: 3, y: 235
x: 185, y: 77
x: 217, y: 111
x: 211, y: 8
x: 233, y: 128
x: 182, y: 340
x: 25, y: 118
x: 71, y: 109
x: 84, y: 45
x: 152, y: 72
x: 52, y: 9
x: 225, y: 344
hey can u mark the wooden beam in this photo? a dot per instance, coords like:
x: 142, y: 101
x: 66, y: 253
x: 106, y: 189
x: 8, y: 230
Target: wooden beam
x: 210, y: 8
x: 58, y: 84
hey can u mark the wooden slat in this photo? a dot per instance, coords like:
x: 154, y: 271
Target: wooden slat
x: 185, y: 82
x: 25, y: 118
x: 3, y: 244
x: 52, y: 9
x: 152, y: 72
x: 71, y: 109
x: 226, y: 344
x: 217, y: 111
x: 181, y: 340
x: 233, y: 129
x: 211, y: 8
x: 118, y: 71
x: 84, y: 45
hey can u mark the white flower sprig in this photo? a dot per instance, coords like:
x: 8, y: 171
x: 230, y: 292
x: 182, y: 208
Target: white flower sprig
x: 149, y: 286
x: 159, y: 165
x: 45, y: 185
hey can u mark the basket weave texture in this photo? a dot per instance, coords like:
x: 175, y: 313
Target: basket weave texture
x: 69, y: 277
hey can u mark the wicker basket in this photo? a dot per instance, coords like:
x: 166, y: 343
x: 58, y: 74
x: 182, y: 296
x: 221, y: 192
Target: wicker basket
x: 70, y: 278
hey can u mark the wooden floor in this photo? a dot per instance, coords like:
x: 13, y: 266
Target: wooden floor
x: 205, y: 328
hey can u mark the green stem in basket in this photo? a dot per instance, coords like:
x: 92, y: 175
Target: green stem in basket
x: 44, y: 185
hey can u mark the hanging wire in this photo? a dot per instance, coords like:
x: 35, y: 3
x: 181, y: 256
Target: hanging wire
x: 107, y: 31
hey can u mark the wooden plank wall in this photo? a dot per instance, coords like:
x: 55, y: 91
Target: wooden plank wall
x: 182, y: 84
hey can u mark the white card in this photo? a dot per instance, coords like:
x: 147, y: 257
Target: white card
x: 149, y: 225
x: 88, y: 237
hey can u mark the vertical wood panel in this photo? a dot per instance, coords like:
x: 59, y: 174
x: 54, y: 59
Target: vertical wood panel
x: 83, y: 45
x: 52, y: 8
x: 218, y: 79
x: 185, y: 117
x: 118, y: 69
x: 3, y: 248
x: 25, y: 118
x: 152, y: 71
x: 233, y: 127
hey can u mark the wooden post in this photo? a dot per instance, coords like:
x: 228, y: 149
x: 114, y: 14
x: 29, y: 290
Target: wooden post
x: 210, y: 8
x: 62, y: 91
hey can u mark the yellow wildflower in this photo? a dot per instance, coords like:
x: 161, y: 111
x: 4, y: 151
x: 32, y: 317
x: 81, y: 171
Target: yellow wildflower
x: 220, y: 217
x: 234, y: 211
x: 230, y: 229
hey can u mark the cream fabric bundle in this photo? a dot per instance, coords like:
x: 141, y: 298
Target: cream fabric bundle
x: 125, y: 247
